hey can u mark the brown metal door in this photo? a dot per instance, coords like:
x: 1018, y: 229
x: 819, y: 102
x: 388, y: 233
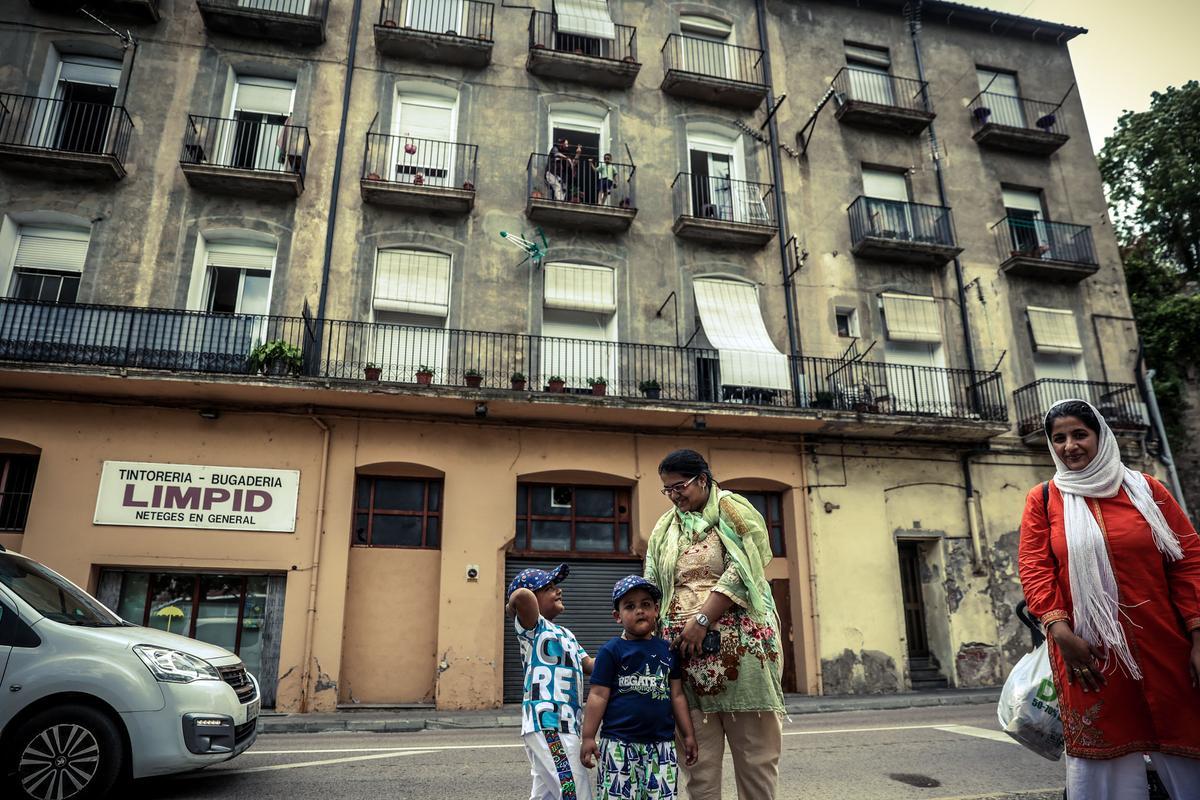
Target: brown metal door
x: 914, y: 606
x: 783, y: 604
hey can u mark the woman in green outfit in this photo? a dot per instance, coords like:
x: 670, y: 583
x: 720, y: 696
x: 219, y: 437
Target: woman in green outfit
x: 708, y: 555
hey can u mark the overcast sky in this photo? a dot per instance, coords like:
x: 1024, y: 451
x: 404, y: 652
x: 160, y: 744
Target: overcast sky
x: 1130, y: 50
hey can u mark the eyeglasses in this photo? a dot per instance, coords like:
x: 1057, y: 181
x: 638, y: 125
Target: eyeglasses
x: 676, y: 488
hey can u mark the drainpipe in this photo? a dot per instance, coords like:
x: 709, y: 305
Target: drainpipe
x: 780, y: 206
x: 814, y: 611
x: 974, y: 512
x: 1155, y: 417
x: 331, y: 220
x: 318, y: 540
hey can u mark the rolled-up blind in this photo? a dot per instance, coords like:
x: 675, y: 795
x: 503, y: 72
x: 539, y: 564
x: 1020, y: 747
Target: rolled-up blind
x: 911, y: 318
x: 585, y: 17
x: 240, y: 256
x: 857, y: 54
x: 265, y: 95
x: 412, y: 282
x: 87, y: 69
x: 1054, y: 330
x: 51, y: 248
x: 580, y: 287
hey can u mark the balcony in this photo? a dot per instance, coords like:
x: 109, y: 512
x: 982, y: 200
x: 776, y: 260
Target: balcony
x: 892, y: 230
x: 419, y: 174
x: 1120, y: 403
x: 592, y: 58
x: 875, y: 100
x: 245, y: 156
x: 655, y: 383
x: 573, y: 193
x: 713, y: 72
x: 1017, y: 124
x: 1050, y: 251
x: 290, y: 21
x: 63, y: 139
x: 721, y: 211
x: 445, y: 33
x: 140, y: 11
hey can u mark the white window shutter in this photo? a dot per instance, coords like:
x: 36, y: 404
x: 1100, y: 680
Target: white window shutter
x: 911, y: 318
x: 51, y: 248
x: 240, y: 256
x: 580, y: 287
x: 1054, y: 330
x: 585, y: 18
x: 734, y: 325
x: 412, y: 282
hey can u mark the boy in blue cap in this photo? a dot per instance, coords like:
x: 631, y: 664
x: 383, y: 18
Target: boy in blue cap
x: 555, y: 664
x: 637, y: 690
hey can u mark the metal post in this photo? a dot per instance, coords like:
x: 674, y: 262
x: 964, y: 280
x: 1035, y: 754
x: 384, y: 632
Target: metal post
x: 1166, y: 457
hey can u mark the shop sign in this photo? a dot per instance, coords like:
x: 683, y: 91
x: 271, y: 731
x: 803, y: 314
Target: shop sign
x: 191, y: 496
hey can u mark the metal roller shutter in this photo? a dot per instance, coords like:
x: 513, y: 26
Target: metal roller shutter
x: 587, y: 598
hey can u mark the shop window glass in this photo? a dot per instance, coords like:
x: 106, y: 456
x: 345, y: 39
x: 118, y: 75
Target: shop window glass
x: 17, y: 475
x: 572, y: 519
x: 397, y: 512
x: 220, y: 607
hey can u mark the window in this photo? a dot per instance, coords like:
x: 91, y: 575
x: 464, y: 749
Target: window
x: 584, y: 26
x: 17, y: 475
x: 870, y: 79
x: 846, y: 322
x: 1001, y: 95
x: 579, y: 323
x: 770, y: 505
x: 411, y: 305
x: 423, y: 128
x: 397, y: 512
x: 260, y: 108
x: 916, y: 382
x: 703, y: 49
x: 47, y: 264
x: 1026, y: 222
x: 87, y: 87
x: 572, y: 519
x: 889, y: 214
x: 239, y: 277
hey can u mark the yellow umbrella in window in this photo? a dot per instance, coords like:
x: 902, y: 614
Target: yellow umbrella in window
x: 170, y: 612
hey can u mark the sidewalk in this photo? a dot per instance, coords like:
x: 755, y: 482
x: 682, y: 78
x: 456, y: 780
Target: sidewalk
x: 408, y: 720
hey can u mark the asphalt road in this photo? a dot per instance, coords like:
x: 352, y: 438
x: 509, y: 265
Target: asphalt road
x: 952, y: 753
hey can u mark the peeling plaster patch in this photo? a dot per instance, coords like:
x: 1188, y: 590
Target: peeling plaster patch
x: 1004, y: 588
x: 864, y: 672
x: 289, y: 672
x: 324, y: 682
x: 958, y: 574
x: 979, y: 664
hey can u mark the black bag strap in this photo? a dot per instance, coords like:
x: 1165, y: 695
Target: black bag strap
x: 1046, y: 499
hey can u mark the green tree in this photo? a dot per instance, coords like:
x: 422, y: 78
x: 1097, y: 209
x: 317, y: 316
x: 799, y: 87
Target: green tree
x: 1151, y: 170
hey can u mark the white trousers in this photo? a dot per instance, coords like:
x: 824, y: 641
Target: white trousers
x: 1124, y: 778
x: 555, y: 767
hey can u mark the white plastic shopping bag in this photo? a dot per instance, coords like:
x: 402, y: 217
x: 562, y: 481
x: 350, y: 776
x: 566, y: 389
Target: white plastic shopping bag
x: 1028, y: 709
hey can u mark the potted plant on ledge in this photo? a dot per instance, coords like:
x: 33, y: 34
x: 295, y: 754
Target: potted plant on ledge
x: 277, y: 358
x: 556, y: 384
x: 474, y: 378
x: 599, y: 385
x: 650, y: 389
x: 372, y: 372
x: 517, y: 380
x: 424, y: 375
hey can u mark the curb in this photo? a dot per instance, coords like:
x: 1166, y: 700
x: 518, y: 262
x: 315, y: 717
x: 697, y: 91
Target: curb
x: 359, y: 722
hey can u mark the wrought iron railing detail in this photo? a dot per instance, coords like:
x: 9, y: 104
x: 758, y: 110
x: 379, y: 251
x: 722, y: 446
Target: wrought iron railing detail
x: 545, y: 33
x: 723, y: 199
x: 876, y: 218
x: 575, y: 177
x: 406, y: 160
x: 67, y: 126
x: 880, y: 88
x: 1120, y: 403
x: 991, y: 108
x: 249, y: 142
x: 467, y: 19
x: 1049, y: 241
x: 713, y: 59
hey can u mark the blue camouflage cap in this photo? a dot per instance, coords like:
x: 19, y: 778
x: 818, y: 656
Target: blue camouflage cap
x: 631, y: 582
x: 534, y: 579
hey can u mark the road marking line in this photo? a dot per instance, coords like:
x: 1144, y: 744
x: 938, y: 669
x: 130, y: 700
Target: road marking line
x: 1000, y: 795
x: 981, y: 733
x: 321, y: 763
x: 413, y: 748
x: 867, y: 730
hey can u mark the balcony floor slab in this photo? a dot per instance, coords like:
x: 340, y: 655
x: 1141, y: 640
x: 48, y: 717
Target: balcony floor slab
x: 887, y: 118
x: 580, y: 216
x: 723, y: 232
x: 1048, y: 269
x: 249, y: 23
x: 439, y: 48
x: 710, y: 89
x: 421, y: 198
x: 905, y: 251
x: 1021, y: 140
x: 61, y: 164
x: 603, y: 72
x: 229, y: 180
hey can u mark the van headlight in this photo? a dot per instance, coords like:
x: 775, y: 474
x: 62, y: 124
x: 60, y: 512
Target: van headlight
x: 174, y: 666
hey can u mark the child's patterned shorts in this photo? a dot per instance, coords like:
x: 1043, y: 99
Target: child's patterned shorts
x: 630, y: 771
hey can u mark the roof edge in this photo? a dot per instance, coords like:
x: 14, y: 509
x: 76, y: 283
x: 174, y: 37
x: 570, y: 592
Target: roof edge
x: 947, y: 12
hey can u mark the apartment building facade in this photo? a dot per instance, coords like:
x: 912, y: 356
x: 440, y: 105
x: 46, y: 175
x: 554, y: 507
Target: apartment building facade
x: 504, y: 258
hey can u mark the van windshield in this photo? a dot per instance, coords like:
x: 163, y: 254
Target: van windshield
x: 53, y: 596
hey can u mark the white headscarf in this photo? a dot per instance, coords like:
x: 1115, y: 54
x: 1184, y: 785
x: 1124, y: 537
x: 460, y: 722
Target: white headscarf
x: 1093, y: 585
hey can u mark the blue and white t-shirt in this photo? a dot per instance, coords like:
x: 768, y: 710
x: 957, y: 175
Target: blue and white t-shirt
x: 553, y: 662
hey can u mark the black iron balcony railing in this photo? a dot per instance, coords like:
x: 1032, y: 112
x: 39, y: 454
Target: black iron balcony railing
x: 282, y: 9
x: 874, y: 217
x: 723, y: 199
x: 1120, y: 403
x: 420, y: 162
x: 43, y: 123
x: 250, y: 142
x: 713, y: 59
x: 544, y: 33
x: 1042, y: 239
x: 468, y: 19
x: 573, y: 177
x: 990, y: 108
x: 869, y: 86
x: 192, y: 341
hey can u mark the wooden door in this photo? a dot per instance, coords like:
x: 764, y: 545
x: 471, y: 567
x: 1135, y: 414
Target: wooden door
x: 914, y: 604
x: 783, y: 604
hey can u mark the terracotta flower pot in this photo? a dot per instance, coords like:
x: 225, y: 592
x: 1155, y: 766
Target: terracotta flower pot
x: 372, y: 373
x: 468, y: 186
x: 474, y: 381
x: 389, y: 23
x: 557, y: 386
x: 374, y: 176
x: 518, y: 385
x: 425, y: 378
x: 599, y: 389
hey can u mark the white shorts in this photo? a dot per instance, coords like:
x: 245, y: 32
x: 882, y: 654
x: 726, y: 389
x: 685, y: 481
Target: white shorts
x: 555, y: 767
x: 1124, y: 778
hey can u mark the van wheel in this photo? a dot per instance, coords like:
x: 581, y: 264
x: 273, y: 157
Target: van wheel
x: 65, y: 753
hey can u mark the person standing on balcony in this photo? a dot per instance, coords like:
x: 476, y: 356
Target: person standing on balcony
x: 560, y: 169
x: 606, y: 178
x: 1110, y: 564
x: 708, y: 555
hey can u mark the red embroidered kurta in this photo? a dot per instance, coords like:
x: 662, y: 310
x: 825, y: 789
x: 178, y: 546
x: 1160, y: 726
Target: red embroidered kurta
x: 1161, y: 604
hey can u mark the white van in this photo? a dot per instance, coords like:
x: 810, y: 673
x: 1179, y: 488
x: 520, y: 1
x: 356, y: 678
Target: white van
x: 87, y: 699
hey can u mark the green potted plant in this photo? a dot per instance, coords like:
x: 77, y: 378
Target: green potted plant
x: 277, y: 358
x: 823, y: 400
x: 599, y: 385
x: 518, y: 381
x: 556, y: 384
x: 424, y: 375
x: 372, y: 372
x: 650, y: 389
x: 474, y: 378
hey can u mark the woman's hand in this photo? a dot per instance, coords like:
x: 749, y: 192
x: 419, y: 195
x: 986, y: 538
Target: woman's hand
x: 1081, y: 658
x: 689, y: 640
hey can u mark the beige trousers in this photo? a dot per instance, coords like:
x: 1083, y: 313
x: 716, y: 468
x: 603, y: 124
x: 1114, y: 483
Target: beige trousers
x: 755, y: 739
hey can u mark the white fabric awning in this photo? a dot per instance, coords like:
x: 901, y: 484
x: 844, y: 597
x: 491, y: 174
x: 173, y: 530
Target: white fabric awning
x: 412, y: 282
x: 240, y: 256
x: 734, y: 325
x: 580, y: 287
x: 51, y: 248
x: 911, y: 318
x: 585, y: 18
x: 1054, y: 331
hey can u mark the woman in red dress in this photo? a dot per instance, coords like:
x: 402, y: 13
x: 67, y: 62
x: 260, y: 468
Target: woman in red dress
x: 1111, y: 565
